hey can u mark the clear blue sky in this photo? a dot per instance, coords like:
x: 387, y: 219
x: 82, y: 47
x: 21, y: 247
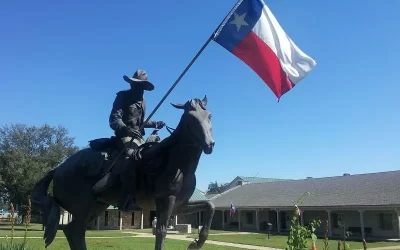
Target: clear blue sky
x: 61, y: 62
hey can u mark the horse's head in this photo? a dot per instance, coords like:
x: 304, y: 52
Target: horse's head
x: 197, y: 119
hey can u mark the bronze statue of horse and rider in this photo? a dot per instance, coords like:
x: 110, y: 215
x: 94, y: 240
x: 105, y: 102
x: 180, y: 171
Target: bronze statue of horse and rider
x: 155, y: 172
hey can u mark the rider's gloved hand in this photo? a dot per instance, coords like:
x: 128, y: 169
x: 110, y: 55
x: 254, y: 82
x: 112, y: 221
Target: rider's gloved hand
x: 160, y: 124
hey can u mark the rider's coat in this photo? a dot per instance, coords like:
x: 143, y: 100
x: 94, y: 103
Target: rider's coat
x: 127, y: 113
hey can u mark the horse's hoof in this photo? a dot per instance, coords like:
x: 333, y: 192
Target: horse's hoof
x: 193, y: 245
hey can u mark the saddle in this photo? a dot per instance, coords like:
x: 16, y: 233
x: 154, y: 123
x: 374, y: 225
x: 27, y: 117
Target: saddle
x: 149, y: 165
x: 106, y: 144
x: 102, y: 144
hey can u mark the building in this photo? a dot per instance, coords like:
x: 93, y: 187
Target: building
x: 112, y: 218
x: 367, y: 204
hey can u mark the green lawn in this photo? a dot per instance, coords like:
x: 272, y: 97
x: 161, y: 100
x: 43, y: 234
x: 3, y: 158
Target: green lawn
x: 122, y: 244
x: 280, y: 241
x: 35, y: 230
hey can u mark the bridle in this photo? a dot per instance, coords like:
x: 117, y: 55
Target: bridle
x: 169, y: 129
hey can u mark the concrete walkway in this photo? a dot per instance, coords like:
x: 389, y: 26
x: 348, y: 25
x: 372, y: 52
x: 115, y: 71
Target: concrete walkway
x: 211, y: 242
x: 382, y: 248
x: 220, y: 243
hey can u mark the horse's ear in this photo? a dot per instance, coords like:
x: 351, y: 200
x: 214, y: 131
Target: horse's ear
x: 178, y: 106
x: 204, y: 101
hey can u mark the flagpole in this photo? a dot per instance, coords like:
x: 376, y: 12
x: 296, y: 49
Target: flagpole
x: 213, y: 35
x: 177, y: 81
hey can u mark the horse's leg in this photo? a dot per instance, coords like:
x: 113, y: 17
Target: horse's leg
x: 194, y: 207
x: 164, y: 207
x: 75, y: 231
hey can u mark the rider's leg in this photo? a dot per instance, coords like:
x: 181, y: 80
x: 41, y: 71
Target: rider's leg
x: 109, y: 179
x: 126, y: 201
x: 128, y: 178
x: 104, y: 183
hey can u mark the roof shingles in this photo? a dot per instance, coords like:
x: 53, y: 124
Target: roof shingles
x: 374, y: 189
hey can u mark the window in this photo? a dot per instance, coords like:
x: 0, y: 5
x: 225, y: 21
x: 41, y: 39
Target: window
x: 225, y: 216
x: 385, y: 221
x: 106, y: 218
x: 249, y: 218
x: 337, y: 220
x: 133, y: 219
x: 95, y: 222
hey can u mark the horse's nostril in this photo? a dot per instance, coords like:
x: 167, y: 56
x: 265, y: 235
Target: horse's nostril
x: 213, y: 143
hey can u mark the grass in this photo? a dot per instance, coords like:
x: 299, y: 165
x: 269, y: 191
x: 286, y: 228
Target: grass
x: 278, y: 241
x: 35, y: 230
x: 121, y: 244
x: 127, y: 241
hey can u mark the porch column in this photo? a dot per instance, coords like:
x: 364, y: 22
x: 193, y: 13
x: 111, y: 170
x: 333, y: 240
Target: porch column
x: 278, y: 221
x: 98, y: 223
x: 199, y: 220
x: 362, y: 223
x: 239, y: 219
x: 223, y: 219
x: 120, y: 220
x: 302, y: 218
x: 141, y: 221
x: 257, y: 221
x: 329, y: 223
x: 176, y: 220
x: 398, y: 220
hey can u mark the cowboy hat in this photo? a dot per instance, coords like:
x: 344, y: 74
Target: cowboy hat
x: 140, y: 77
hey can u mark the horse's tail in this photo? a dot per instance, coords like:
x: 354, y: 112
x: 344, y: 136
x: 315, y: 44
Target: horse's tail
x: 39, y: 193
x: 52, y: 220
x: 49, y: 206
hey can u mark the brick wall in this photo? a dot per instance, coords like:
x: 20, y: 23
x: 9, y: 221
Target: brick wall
x: 113, y: 220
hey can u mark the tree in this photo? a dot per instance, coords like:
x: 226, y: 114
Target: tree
x: 26, y: 154
x: 215, y: 188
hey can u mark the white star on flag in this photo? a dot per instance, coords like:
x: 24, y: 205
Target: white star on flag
x: 239, y: 20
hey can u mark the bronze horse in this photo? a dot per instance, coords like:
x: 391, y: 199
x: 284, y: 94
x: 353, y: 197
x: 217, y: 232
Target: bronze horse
x: 168, y: 183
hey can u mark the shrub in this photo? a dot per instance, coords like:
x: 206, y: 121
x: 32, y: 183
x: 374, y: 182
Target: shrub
x: 299, y: 235
x: 10, y: 244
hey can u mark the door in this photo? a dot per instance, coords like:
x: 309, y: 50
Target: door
x: 152, y: 215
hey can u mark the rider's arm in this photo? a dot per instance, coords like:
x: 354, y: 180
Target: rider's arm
x: 150, y: 124
x: 115, y: 119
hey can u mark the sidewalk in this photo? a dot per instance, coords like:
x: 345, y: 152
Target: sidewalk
x: 219, y: 243
x: 211, y: 242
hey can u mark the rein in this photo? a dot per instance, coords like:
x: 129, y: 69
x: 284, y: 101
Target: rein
x: 171, y: 131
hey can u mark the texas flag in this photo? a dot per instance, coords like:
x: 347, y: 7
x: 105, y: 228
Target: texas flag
x: 233, y: 210
x: 254, y: 35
